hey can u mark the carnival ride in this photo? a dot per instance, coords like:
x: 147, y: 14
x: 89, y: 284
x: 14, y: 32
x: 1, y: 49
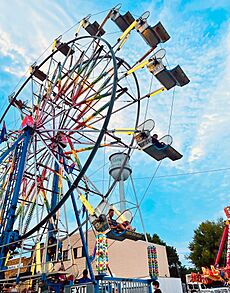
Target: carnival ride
x: 71, y: 108
x: 216, y: 272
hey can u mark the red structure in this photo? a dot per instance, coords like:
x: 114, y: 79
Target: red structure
x: 226, y: 235
x: 217, y: 273
x: 28, y: 121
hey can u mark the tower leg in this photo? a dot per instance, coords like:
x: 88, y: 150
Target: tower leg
x: 85, y: 248
x: 84, y: 245
x: 122, y: 196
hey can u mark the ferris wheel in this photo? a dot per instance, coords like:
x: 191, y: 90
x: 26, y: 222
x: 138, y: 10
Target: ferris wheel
x: 79, y: 103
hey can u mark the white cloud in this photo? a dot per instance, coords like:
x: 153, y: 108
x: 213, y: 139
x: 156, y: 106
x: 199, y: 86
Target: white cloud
x: 197, y: 5
x: 196, y: 154
x: 8, y: 48
x: 213, y: 127
x: 14, y: 71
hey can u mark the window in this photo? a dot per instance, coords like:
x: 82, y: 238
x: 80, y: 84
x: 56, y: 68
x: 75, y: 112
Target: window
x: 203, y: 286
x: 75, y: 253
x: 65, y: 255
x: 78, y: 252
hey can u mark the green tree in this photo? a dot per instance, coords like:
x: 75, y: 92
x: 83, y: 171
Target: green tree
x: 155, y: 239
x: 173, y: 261
x: 205, y: 243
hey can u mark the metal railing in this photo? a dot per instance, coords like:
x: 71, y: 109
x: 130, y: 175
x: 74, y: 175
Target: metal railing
x: 106, y: 284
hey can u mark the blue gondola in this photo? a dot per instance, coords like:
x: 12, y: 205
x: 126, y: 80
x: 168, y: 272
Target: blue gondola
x: 120, y: 236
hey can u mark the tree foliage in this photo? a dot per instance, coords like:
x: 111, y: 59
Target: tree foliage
x: 205, y: 243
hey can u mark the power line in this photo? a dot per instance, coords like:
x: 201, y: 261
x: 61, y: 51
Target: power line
x: 186, y: 174
x: 180, y: 174
x: 171, y: 111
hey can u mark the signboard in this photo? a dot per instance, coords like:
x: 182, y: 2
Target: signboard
x: 87, y: 288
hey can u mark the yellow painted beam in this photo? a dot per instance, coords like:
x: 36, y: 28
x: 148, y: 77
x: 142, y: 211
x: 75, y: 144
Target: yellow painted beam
x: 162, y: 89
x: 141, y: 65
x: 132, y: 25
x: 87, y: 205
x: 128, y: 131
x: 38, y: 257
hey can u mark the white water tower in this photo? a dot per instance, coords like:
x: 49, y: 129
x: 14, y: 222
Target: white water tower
x: 120, y: 170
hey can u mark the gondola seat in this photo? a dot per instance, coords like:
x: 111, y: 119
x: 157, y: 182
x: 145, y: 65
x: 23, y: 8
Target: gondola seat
x: 169, y: 78
x: 153, y: 35
x: 120, y: 236
x: 92, y: 29
x: 101, y: 224
x: 122, y: 21
x: 64, y: 49
x: 37, y: 73
x: 159, y: 153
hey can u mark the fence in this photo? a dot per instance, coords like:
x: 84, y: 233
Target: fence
x: 106, y: 284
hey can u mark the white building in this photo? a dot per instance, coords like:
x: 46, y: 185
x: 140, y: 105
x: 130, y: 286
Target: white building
x: 126, y: 258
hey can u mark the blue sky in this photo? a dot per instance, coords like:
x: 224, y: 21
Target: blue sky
x: 175, y: 203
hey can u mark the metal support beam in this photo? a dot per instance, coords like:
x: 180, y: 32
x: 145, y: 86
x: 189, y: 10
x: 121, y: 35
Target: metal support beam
x: 122, y: 196
x: 6, y: 153
x: 84, y: 245
x: 11, y: 214
x: 85, y: 248
x: 54, y: 201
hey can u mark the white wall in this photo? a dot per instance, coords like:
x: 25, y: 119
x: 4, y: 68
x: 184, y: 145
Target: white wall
x: 170, y: 285
x: 129, y: 259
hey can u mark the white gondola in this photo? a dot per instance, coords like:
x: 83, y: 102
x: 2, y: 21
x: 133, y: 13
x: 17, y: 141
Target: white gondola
x: 153, y: 35
x: 93, y: 29
x: 122, y: 21
x: 160, y: 151
x: 101, y: 225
